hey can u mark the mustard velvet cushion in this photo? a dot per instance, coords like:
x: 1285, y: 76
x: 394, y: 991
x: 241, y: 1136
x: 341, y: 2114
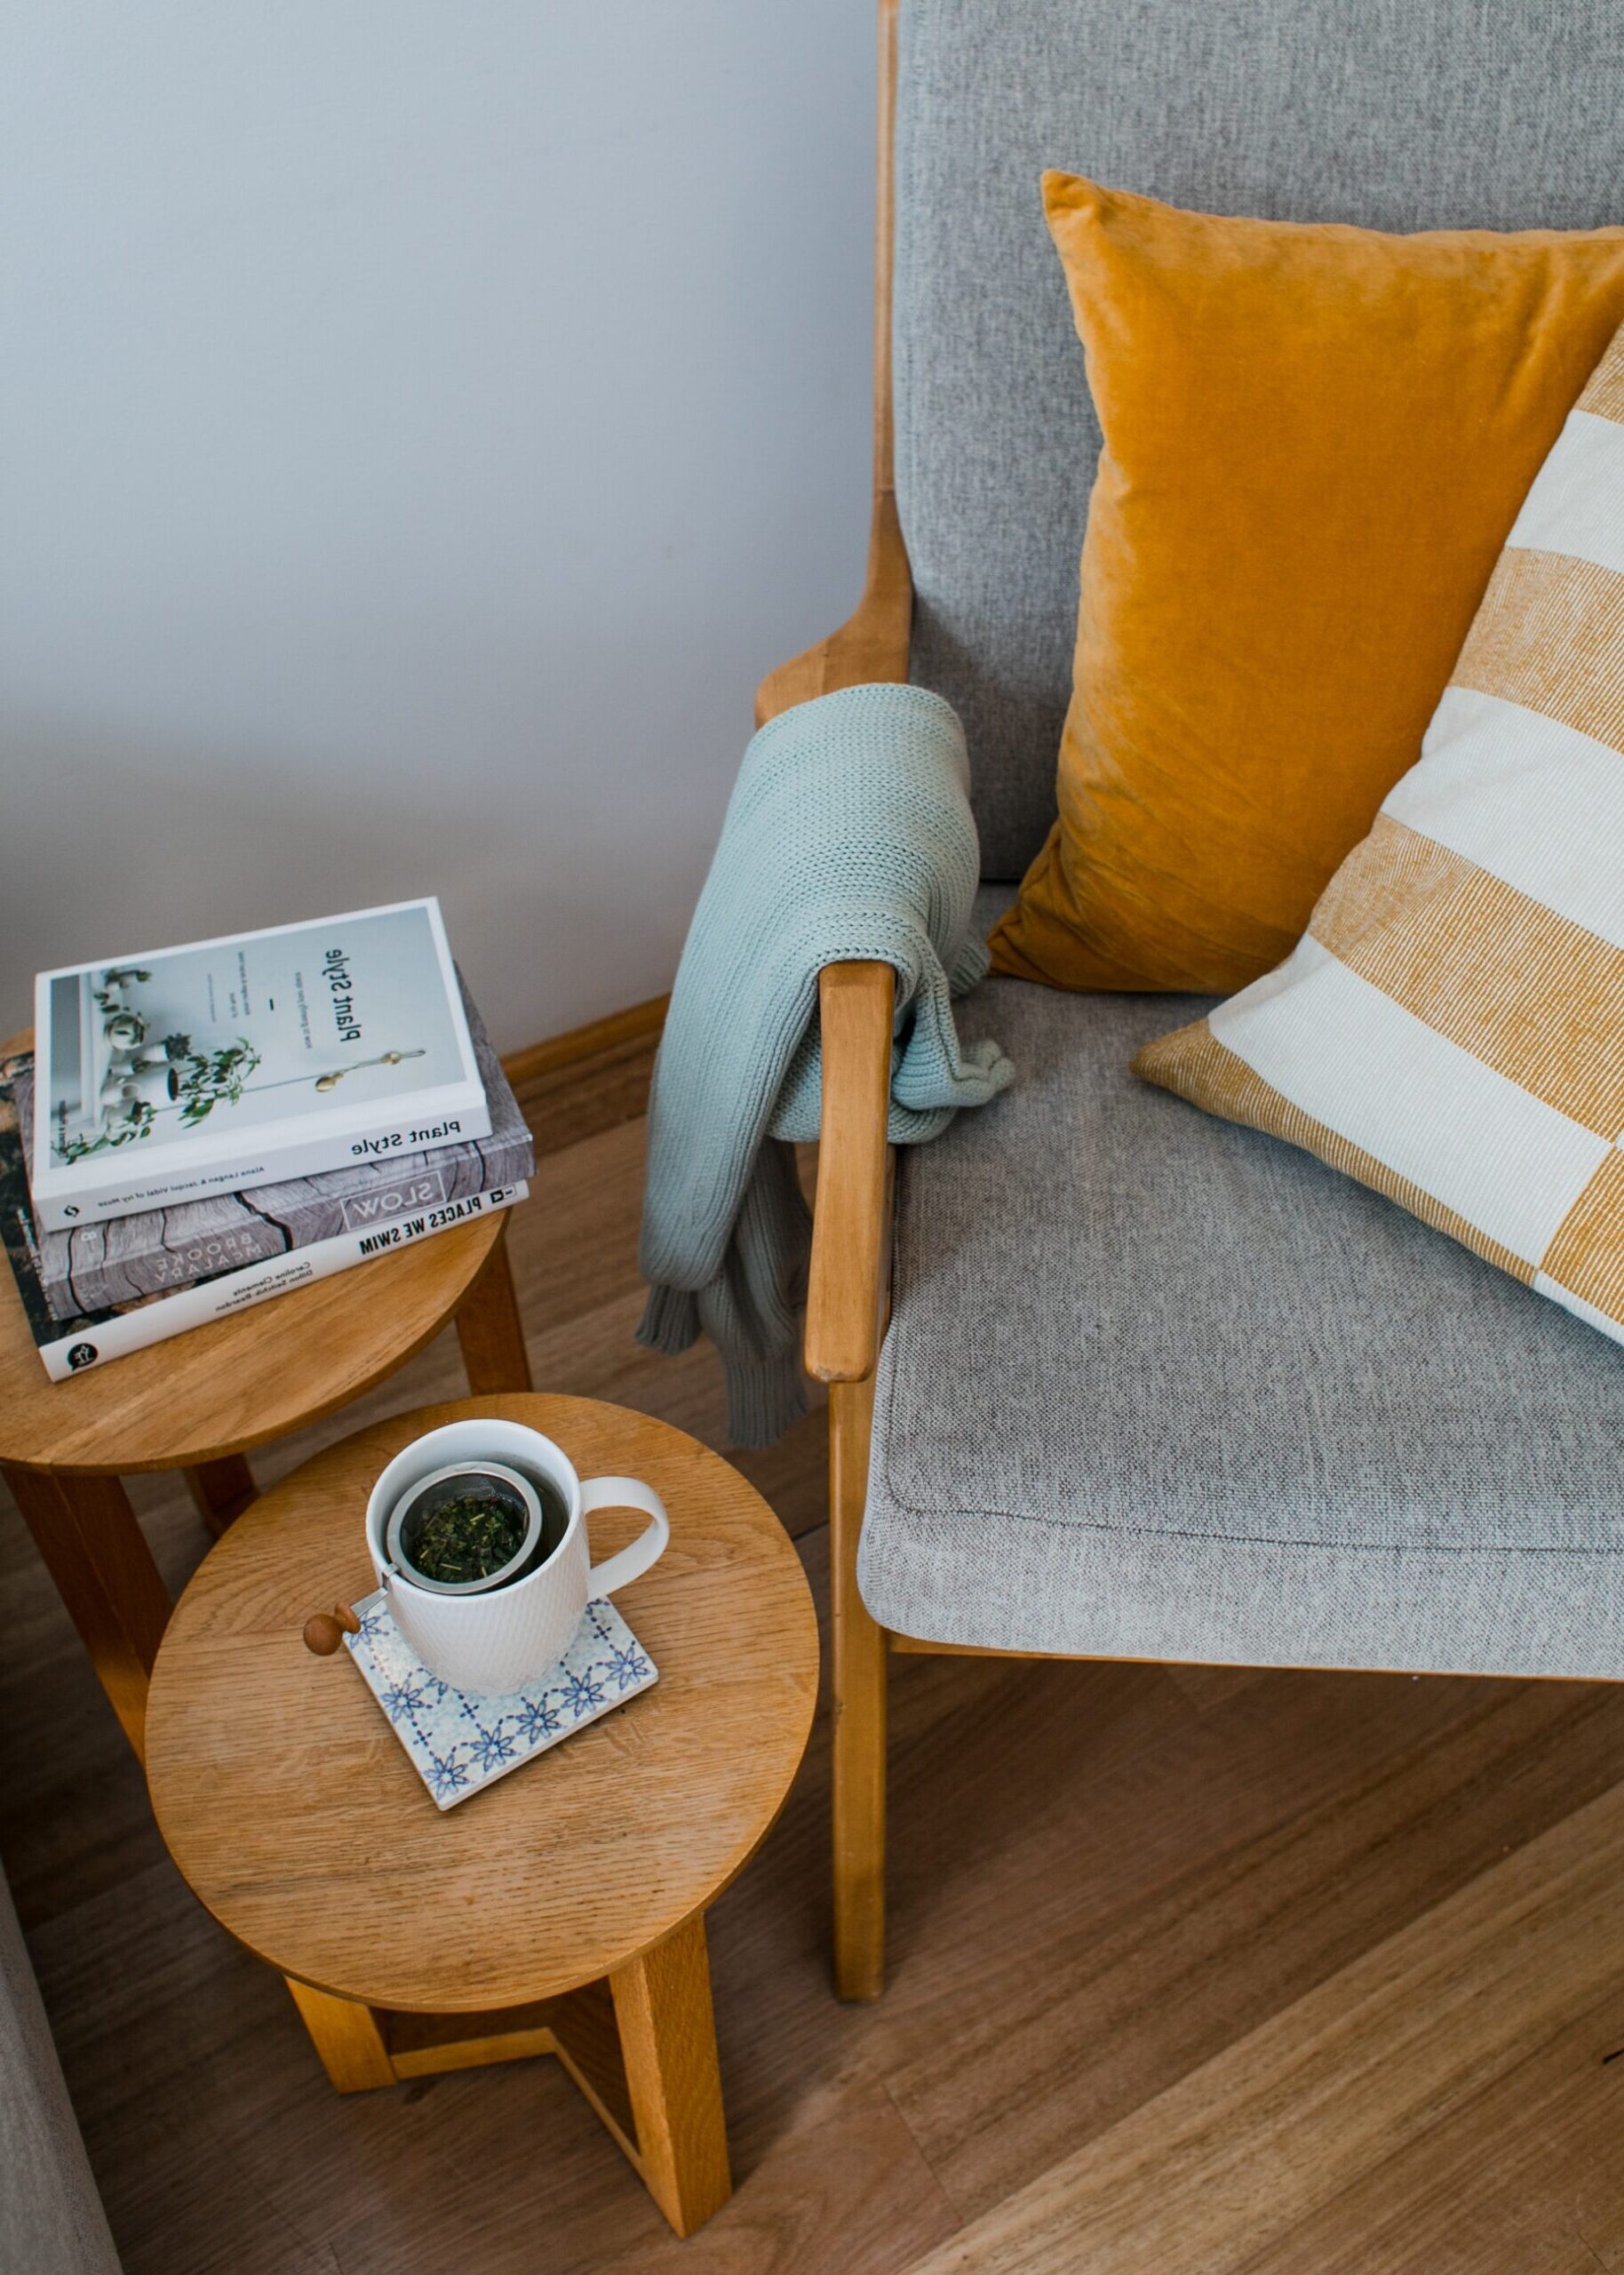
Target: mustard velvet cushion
x: 1316, y: 440
x: 1450, y: 1029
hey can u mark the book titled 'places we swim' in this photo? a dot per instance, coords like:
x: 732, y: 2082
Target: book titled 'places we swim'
x: 168, y: 1076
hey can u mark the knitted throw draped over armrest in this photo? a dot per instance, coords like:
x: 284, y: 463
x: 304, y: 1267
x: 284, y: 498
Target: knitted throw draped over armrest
x: 849, y: 836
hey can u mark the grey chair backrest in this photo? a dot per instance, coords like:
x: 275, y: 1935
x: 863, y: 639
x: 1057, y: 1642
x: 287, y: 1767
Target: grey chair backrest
x: 1398, y: 113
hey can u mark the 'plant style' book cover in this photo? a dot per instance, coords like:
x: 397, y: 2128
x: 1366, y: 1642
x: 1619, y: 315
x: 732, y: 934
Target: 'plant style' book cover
x: 169, y: 1075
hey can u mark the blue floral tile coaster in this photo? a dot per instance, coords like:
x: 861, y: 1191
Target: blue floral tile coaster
x: 459, y: 1742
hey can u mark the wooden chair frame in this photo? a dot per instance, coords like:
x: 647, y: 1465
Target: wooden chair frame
x: 849, y: 1287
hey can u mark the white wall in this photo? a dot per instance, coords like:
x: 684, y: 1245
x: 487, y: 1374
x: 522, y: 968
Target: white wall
x: 421, y: 423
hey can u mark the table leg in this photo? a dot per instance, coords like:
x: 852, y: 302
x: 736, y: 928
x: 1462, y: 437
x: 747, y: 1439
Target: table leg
x: 346, y: 2036
x: 94, y: 1550
x: 642, y: 2046
x: 489, y: 1329
x: 221, y: 1490
x: 668, y: 2043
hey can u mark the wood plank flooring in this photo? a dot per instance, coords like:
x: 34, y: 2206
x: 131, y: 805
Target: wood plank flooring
x: 1248, y: 1973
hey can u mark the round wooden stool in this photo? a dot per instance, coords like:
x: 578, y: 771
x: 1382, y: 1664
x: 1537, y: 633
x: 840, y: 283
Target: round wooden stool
x: 199, y: 1402
x: 560, y: 1909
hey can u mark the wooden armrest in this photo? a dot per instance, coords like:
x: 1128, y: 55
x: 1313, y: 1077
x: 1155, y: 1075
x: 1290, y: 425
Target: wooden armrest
x: 873, y: 644
x: 850, y: 1280
x: 851, y: 1221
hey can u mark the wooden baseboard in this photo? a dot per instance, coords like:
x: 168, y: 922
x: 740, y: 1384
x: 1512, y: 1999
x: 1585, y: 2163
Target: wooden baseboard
x: 539, y: 1059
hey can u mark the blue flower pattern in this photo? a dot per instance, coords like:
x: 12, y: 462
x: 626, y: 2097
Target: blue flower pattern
x: 446, y: 1776
x: 540, y: 1720
x: 458, y: 1742
x: 582, y: 1692
x: 628, y: 1669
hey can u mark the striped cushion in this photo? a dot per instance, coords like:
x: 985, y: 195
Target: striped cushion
x: 1450, y: 1030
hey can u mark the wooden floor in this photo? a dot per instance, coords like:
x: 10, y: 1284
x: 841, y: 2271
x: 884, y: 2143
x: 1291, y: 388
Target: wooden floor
x: 1193, y: 1970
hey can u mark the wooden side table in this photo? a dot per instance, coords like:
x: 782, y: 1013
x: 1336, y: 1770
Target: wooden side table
x: 571, y: 1893
x: 200, y: 1402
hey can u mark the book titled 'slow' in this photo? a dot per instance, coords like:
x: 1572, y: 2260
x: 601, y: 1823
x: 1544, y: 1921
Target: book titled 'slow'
x: 100, y: 1333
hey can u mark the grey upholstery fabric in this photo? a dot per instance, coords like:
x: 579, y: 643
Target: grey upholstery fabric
x: 52, y: 2222
x: 1398, y: 113
x: 1156, y: 1386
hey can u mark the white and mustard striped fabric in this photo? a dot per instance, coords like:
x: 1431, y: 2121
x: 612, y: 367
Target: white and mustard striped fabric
x: 1450, y: 1027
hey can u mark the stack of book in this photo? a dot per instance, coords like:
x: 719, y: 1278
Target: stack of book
x: 199, y: 1129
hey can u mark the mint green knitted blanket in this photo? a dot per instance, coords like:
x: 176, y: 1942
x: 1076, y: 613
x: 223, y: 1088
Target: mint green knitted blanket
x: 848, y: 835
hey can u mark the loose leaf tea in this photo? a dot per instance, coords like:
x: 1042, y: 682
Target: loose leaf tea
x: 467, y: 1536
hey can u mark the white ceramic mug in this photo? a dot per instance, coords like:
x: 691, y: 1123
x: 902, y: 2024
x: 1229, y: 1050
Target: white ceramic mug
x: 502, y: 1638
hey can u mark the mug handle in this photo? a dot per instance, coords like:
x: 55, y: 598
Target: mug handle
x: 646, y: 1549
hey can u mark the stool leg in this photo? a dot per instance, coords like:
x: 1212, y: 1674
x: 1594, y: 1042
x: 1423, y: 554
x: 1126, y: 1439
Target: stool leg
x: 220, y: 1490
x: 668, y: 2044
x: 346, y: 2036
x: 491, y: 1330
x: 94, y: 1550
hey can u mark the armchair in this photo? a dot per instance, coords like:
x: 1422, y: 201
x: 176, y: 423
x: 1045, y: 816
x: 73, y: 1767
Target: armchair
x: 1108, y: 1378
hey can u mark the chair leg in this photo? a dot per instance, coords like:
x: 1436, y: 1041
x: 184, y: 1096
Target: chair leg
x: 859, y: 1669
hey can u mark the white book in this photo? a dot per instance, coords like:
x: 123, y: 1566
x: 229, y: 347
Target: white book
x: 93, y: 1341
x: 179, y: 1074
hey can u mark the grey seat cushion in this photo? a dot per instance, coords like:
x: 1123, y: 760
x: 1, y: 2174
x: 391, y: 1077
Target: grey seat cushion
x: 1398, y: 113
x: 1156, y: 1386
